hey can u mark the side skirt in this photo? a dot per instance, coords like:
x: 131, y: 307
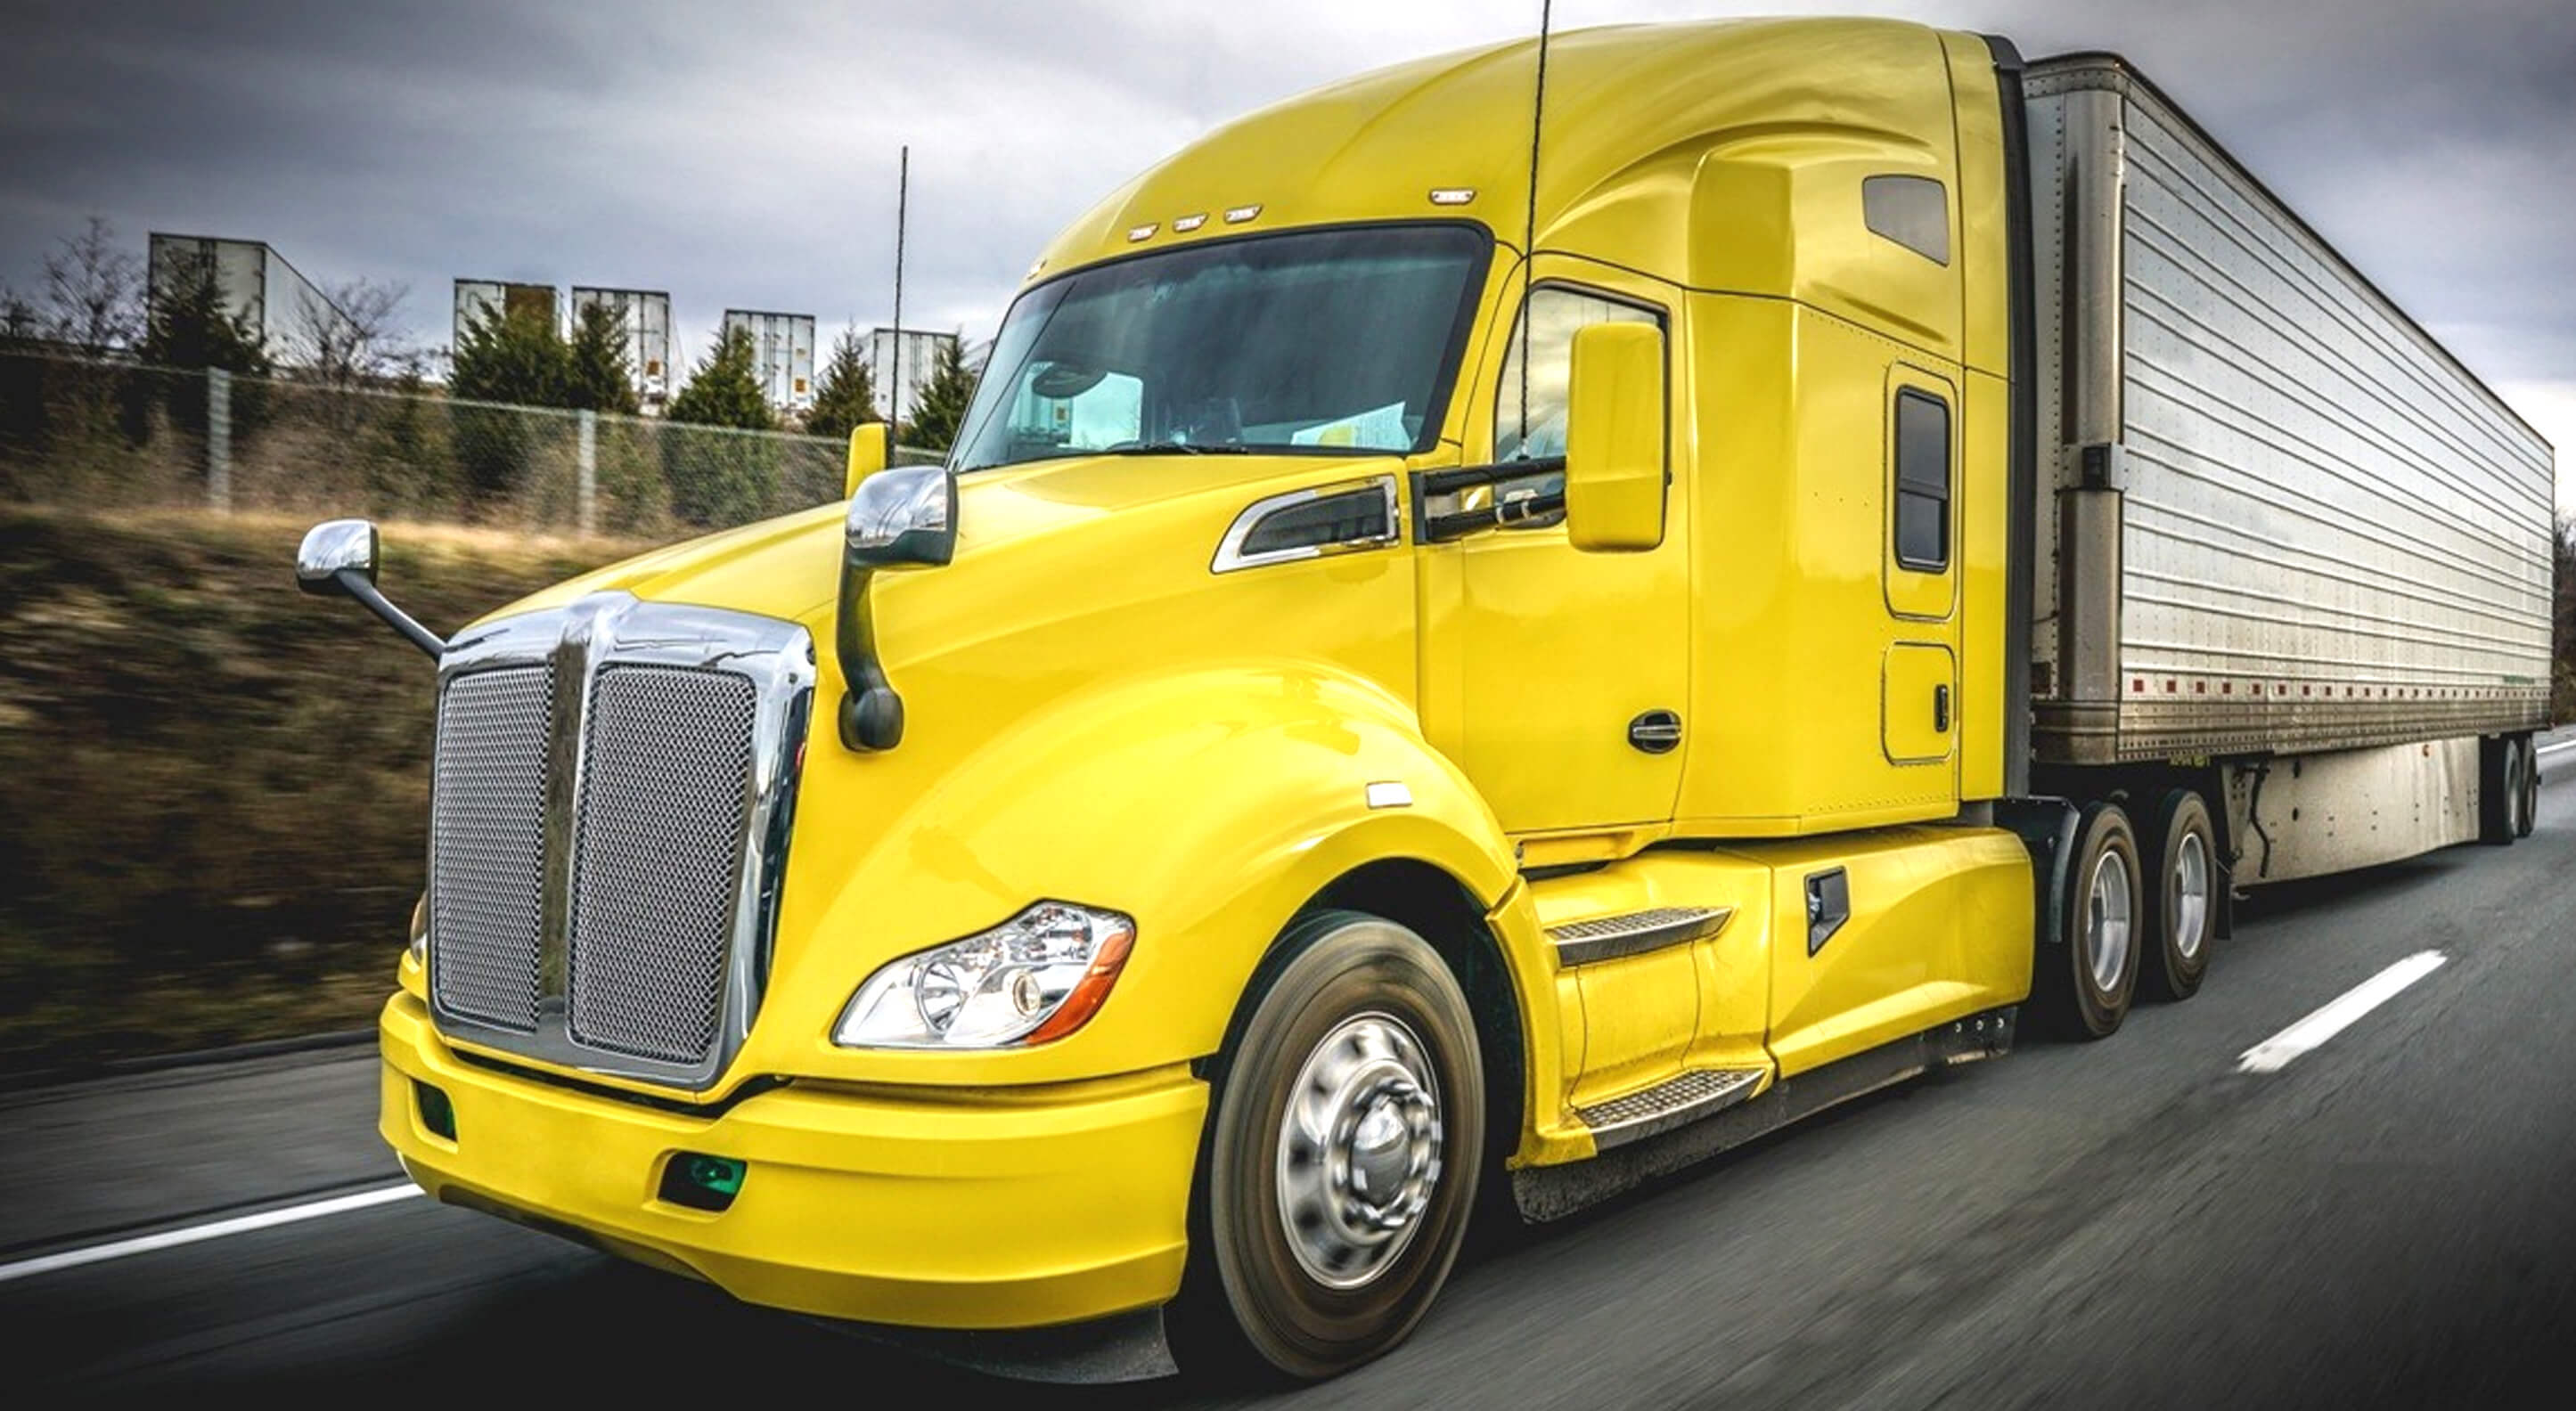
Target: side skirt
x: 1545, y: 1193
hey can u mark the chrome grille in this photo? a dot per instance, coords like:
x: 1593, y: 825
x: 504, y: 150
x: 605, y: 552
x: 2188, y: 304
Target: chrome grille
x: 665, y: 794
x: 487, y: 840
x: 616, y: 787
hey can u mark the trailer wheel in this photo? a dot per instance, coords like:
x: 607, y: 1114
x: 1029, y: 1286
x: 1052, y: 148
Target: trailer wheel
x: 2082, y: 985
x: 2530, y: 818
x: 2182, y: 901
x: 1341, y: 1158
x: 2499, y: 790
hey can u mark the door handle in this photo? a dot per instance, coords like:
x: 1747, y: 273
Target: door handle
x: 1941, y: 710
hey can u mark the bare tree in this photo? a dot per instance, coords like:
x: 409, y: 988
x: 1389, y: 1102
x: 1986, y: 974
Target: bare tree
x: 354, y: 331
x: 94, y: 290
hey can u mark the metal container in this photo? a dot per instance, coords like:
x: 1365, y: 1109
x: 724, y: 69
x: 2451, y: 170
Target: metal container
x: 921, y: 350
x: 253, y: 283
x: 489, y: 298
x: 646, y: 314
x: 2273, y: 514
x: 782, y: 348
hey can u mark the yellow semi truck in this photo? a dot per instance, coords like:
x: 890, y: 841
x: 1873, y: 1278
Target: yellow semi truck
x: 1486, y: 635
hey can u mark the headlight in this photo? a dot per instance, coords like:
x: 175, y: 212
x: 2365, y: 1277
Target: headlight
x: 420, y: 929
x: 1036, y: 977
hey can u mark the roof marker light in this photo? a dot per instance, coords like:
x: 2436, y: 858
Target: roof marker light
x: 1140, y: 232
x: 1237, y: 215
x: 1185, y: 224
x: 1452, y: 195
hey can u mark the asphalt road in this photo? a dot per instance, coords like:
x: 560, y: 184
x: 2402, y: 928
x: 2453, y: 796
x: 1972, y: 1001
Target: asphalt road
x: 2389, y: 1219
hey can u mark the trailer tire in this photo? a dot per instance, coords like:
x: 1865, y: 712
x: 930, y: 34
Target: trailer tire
x: 1354, y: 1070
x: 2182, y: 901
x: 2082, y: 986
x: 2499, y: 790
x: 2530, y: 788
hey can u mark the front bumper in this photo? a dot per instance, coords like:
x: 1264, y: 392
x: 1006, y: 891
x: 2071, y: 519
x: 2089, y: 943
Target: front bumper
x: 969, y: 1209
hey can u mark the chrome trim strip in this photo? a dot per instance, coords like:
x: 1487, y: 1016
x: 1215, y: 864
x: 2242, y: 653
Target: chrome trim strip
x: 1610, y: 937
x: 579, y: 640
x: 1672, y: 1103
x: 1229, y: 550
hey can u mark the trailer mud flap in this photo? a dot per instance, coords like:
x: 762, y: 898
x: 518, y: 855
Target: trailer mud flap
x: 2047, y: 828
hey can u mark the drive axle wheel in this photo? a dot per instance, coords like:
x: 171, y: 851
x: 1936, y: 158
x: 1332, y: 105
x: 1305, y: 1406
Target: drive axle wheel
x: 1341, y: 1157
x: 2082, y: 985
x: 2182, y: 901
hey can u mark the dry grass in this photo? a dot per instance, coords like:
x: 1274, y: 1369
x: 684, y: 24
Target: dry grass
x: 213, y: 788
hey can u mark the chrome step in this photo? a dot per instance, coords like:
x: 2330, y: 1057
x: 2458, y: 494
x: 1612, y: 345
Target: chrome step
x: 1609, y: 937
x: 1667, y: 1105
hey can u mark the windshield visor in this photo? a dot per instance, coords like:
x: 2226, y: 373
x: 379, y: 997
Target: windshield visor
x: 1328, y: 340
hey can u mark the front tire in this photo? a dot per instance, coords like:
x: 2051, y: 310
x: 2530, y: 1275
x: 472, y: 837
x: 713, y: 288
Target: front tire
x: 1341, y: 1159
x: 2082, y: 986
x: 2182, y: 900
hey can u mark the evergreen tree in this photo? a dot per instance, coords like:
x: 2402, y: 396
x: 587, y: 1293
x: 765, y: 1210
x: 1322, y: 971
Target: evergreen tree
x: 189, y: 327
x: 846, y: 394
x: 514, y: 358
x: 720, y: 477
x: 597, y: 375
x: 724, y: 389
x: 940, y: 407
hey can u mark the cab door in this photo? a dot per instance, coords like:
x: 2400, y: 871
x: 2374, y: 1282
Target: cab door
x: 1570, y: 668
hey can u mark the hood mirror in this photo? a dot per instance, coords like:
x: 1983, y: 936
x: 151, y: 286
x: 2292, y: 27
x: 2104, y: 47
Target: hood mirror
x: 340, y: 556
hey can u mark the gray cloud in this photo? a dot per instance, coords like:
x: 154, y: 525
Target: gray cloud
x: 744, y: 154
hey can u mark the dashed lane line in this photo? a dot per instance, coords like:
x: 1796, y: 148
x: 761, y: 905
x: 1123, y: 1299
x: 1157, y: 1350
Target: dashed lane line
x: 2275, y: 1053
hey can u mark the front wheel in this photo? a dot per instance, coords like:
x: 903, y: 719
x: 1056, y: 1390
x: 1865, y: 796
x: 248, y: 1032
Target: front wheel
x: 1342, y: 1155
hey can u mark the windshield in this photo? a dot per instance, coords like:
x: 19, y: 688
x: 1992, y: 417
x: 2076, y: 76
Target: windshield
x: 1335, y: 340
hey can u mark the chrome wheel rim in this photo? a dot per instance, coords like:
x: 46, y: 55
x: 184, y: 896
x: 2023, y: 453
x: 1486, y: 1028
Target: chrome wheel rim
x: 2191, y: 894
x: 2106, y: 921
x: 1359, y: 1150
x: 2513, y: 789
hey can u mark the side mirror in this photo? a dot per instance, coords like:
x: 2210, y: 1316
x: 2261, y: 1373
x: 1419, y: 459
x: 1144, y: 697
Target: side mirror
x: 867, y: 455
x: 333, y: 547
x: 1614, y: 439
x: 339, y: 556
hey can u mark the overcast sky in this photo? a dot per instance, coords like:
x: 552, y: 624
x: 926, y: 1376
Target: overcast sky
x: 743, y: 154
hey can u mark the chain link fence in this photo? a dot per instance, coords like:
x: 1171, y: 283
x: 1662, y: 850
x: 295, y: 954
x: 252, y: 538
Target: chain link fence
x: 111, y: 435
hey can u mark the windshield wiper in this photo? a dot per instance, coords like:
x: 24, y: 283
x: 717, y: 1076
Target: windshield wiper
x: 1187, y: 448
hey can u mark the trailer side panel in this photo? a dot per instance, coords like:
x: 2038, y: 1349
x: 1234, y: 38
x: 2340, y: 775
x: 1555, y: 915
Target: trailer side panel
x: 2328, y: 533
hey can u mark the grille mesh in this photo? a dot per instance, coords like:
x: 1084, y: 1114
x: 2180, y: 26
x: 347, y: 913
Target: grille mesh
x: 486, y: 828
x: 664, y: 797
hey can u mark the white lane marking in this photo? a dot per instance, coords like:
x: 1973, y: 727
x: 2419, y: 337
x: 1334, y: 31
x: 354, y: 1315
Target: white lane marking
x: 2275, y: 1053
x: 238, y: 1225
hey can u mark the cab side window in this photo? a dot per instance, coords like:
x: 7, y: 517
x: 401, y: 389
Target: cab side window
x: 1529, y: 416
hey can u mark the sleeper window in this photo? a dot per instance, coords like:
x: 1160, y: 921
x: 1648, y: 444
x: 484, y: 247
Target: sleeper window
x: 1922, y: 482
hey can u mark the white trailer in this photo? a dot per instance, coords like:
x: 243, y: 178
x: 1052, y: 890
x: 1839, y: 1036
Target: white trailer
x: 252, y: 282
x: 646, y: 316
x: 899, y: 380
x: 479, y: 299
x: 782, y: 354
x: 2282, y: 540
